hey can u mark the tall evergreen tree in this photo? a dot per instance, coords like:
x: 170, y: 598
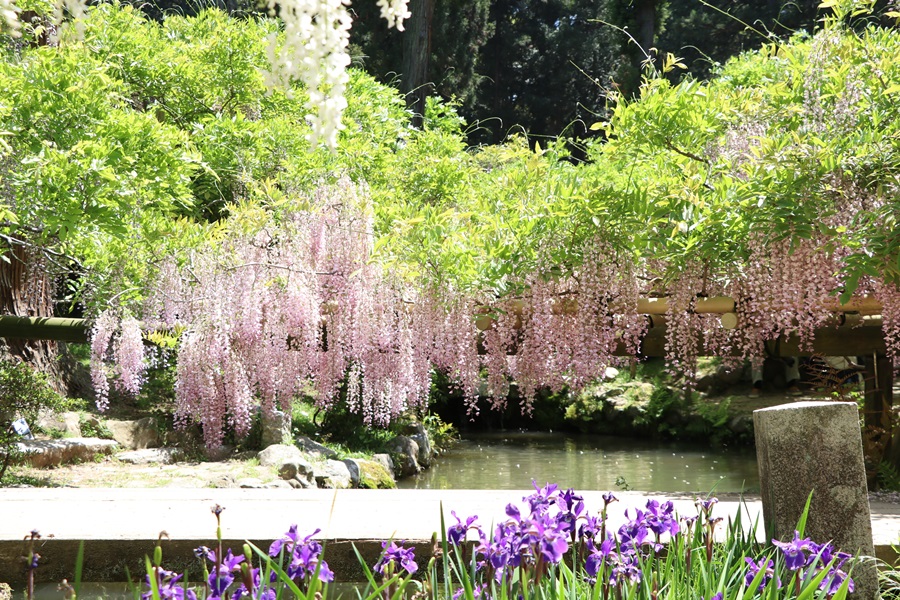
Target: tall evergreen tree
x: 706, y: 35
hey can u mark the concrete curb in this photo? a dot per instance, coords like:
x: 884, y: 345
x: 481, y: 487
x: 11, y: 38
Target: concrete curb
x: 121, y: 526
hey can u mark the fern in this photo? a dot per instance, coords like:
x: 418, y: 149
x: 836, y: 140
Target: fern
x: 888, y: 477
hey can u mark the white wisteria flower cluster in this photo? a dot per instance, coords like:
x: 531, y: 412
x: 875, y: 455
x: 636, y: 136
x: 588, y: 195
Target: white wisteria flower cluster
x: 9, y: 15
x: 394, y: 12
x: 314, y: 51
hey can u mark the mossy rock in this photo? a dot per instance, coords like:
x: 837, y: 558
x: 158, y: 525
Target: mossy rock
x: 373, y: 475
x: 609, y: 405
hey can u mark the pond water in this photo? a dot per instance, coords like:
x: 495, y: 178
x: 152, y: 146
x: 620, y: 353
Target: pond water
x: 511, y: 460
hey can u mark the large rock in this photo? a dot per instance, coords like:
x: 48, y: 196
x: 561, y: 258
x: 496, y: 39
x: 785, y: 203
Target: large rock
x: 375, y: 475
x: 135, y: 435
x: 276, y: 428
x: 311, y: 447
x: 289, y: 462
x: 815, y: 448
x: 152, y: 456
x: 49, y: 453
x: 68, y: 423
x: 404, y: 453
x: 277, y: 454
x: 355, y: 471
x: 333, y: 474
x: 419, y: 435
x: 385, y: 461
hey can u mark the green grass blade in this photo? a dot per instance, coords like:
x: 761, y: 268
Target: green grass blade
x: 801, y: 524
x: 79, y: 565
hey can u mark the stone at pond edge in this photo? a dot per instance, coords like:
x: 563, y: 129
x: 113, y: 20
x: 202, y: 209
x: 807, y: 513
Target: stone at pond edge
x: 277, y: 484
x: 385, y: 461
x: 224, y: 482
x: 374, y: 475
x: 419, y: 435
x: 69, y: 423
x: 5, y: 591
x: 135, y: 435
x: 404, y: 452
x: 353, y: 468
x: 250, y: 483
x: 816, y: 447
x: 332, y: 474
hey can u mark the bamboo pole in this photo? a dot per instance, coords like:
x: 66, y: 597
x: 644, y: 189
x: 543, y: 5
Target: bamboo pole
x: 863, y: 310
x: 44, y: 328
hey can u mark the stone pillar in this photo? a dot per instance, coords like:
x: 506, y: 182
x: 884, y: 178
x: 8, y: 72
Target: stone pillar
x: 816, y: 447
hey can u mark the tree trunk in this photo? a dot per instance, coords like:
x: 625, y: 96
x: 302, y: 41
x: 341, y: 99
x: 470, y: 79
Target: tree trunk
x: 646, y: 24
x: 416, y: 52
x: 26, y: 290
x: 879, y: 434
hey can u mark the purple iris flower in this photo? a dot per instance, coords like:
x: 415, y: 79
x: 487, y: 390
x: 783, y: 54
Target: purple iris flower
x: 570, y: 502
x: 396, y: 555
x: 543, y: 498
x: 169, y: 588
x: 512, y: 511
x: 590, y: 528
x: 627, y: 569
x: 219, y: 582
x: 660, y: 518
x: 597, y: 556
x: 754, y: 568
x: 633, y: 533
x: 707, y: 505
x: 608, y: 499
x: 554, y: 543
x: 456, y: 534
x: 796, y: 551
x: 261, y: 594
x: 290, y: 539
x: 834, y: 580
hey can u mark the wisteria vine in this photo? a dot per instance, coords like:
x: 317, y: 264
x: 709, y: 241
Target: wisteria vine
x: 300, y: 304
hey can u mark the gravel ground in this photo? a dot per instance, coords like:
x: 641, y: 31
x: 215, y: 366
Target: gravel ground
x: 886, y: 497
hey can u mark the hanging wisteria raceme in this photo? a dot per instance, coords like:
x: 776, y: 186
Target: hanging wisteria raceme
x: 299, y: 304
x: 683, y: 325
x: 265, y: 315
x: 568, y: 329
x: 313, y: 51
x: 102, y: 332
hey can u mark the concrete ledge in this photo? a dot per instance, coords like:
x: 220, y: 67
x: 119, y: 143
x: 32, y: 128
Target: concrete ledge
x: 120, y: 526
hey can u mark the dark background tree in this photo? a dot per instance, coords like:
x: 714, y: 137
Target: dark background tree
x: 544, y: 67
x: 704, y: 36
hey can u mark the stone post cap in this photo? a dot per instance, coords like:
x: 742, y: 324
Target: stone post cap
x: 807, y: 404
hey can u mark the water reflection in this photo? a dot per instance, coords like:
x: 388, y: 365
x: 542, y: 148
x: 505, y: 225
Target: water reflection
x: 510, y: 460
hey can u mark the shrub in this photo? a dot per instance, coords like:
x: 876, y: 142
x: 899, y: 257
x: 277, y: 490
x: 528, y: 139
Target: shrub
x: 24, y: 392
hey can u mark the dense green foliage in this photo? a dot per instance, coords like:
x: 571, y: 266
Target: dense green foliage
x: 144, y: 140
x: 123, y: 143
